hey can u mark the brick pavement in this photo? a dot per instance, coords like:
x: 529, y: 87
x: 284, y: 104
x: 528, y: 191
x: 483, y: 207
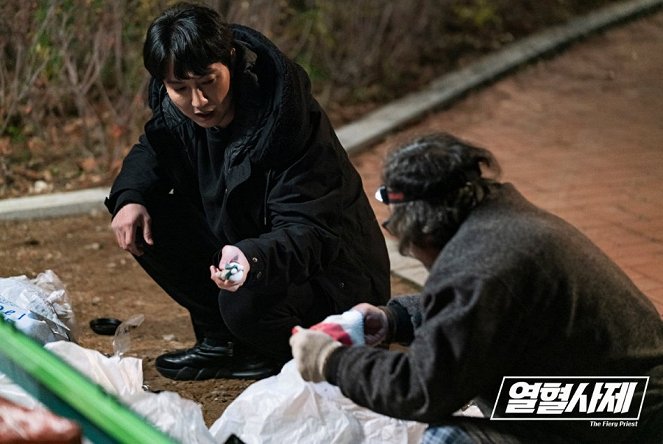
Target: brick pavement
x: 581, y: 135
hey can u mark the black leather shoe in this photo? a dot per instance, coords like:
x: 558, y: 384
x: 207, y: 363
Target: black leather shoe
x: 209, y: 360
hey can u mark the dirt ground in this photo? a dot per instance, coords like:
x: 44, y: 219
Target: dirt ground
x: 103, y: 281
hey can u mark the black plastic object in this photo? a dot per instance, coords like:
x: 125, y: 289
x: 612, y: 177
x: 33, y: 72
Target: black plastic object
x: 105, y: 326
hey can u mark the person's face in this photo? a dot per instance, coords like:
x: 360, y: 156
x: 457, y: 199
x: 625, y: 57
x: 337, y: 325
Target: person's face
x: 203, y: 99
x: 425, y: 255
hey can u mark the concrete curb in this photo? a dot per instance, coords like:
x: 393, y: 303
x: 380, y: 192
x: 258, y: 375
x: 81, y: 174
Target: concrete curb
x: 53, y: 204
x: 376, y: 125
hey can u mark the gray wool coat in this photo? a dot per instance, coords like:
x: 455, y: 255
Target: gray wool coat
x: 517, y: 291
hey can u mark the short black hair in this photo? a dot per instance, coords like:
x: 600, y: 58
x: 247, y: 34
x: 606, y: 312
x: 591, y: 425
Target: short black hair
x: 442, y: 179
x: 189, y: 36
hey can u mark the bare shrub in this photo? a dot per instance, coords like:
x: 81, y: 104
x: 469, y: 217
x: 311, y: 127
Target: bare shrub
x: 72, y: 82
x: 24, y: 57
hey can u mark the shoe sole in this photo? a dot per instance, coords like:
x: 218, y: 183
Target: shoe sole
x: 201, y: 374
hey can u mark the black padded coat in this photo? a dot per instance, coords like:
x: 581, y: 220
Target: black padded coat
x: 290, y: 198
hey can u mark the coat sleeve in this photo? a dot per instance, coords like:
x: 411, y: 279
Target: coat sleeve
x: 306, y: 205
x: 455, y: 355
x: 141, y: 172
x: 404, y: 314
x: 139, y: 175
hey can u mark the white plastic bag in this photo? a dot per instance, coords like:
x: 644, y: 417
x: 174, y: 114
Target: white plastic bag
x: 285, y: 408
x: 121, y: 377
x: 39, y: 307
x: 180, y: 418
x: 16, y: 394
x: 122, y: 337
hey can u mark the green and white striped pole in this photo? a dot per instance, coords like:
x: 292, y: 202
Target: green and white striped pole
x: 68, y: 393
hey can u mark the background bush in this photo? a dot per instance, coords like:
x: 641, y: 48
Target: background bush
x: 72, y: 80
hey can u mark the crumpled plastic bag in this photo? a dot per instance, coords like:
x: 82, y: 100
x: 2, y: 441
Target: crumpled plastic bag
x: 38, y: 307
x: 122, y: 336
x: 285, y: 408
x: 122, y: 377
x: 16, y: 394
x: 180, y: 418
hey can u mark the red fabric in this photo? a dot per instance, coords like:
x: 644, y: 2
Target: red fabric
x: 335, y: 331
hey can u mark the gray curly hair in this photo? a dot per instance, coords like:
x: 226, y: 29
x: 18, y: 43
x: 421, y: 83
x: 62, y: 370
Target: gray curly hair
x: 439, y: 180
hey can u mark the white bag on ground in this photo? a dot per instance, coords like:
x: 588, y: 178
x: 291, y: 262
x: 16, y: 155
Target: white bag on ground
x: 38, y: 307
x: 122, y: 377
x: 16, y: 394
x: 285, y: 408
x: 180, y: 418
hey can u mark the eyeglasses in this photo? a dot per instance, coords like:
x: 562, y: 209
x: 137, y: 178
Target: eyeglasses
x: 387, y: 197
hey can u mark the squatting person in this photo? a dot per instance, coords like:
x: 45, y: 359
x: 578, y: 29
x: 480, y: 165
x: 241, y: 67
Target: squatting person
x: 512, y: 291
x: 240, y: 165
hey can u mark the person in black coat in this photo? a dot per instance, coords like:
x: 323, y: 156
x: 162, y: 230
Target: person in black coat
x: 240, y: 171
x: 512, y: 291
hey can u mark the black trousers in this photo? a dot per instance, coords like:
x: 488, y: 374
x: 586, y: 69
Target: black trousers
x: 184, y: 248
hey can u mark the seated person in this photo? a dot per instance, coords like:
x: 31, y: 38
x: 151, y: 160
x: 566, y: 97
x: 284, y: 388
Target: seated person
x: 512, y: 291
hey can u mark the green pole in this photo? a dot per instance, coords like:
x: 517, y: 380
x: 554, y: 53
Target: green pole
x: 68, y: 393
